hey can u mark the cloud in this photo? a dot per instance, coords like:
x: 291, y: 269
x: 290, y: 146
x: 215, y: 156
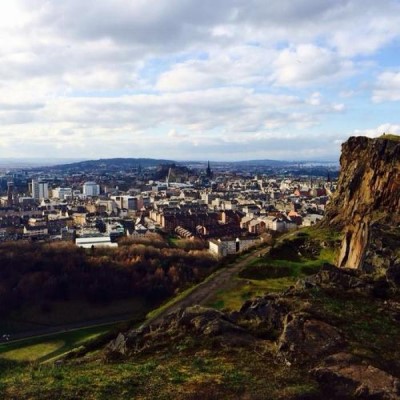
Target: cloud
x: 243, y: 65
x: 387, y: 128
x: 175, y: 135
x: 308, y: 63
x: 387, y: 87
x: 121, y: 73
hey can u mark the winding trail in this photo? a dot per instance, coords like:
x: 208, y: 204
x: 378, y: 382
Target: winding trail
x: 205, y: 291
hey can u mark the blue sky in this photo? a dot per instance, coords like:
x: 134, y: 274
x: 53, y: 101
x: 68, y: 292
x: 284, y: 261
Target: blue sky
x: 183, y: 79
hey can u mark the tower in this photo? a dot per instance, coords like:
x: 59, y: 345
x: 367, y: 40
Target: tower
x: 208, y: 170
x: 40, y: 190
x: 10, y: 191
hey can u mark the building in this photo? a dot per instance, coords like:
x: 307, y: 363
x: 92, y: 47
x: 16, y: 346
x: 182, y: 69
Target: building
x: 95, y: 241
x: 40, y: 190
x: 91, y: 189
x: 35, y: 232
x: 62, y: 193
x: 127, y: 202
x: 222, y: 248
x: 10, y: 191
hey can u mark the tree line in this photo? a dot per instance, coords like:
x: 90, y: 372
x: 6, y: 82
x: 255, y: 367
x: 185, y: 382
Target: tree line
x: 41, y: 273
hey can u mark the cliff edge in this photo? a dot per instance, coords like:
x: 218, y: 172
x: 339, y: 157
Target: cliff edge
x: 366, y: 204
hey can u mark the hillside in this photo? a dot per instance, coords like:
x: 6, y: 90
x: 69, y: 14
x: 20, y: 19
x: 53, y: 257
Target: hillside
x: 111, y: 164
x: 328, y: 335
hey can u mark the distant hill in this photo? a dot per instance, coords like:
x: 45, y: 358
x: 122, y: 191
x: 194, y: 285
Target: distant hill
x: 113, y: 163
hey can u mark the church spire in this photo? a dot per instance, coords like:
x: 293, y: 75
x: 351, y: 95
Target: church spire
x: 208, y: 171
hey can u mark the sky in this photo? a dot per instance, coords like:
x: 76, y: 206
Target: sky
x: 196, y: 80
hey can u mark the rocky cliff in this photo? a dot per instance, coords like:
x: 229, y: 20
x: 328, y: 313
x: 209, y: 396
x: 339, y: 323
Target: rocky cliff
x: 366, y: 205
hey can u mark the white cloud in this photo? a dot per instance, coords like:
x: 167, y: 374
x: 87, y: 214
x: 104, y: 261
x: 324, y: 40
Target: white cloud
x: 117, y: 70
x: 387, y: 128
x: 237, y: 66
x: 387, y: 87
x: 308, y: 63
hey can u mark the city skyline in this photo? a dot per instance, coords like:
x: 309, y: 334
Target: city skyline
x: 227, y: 80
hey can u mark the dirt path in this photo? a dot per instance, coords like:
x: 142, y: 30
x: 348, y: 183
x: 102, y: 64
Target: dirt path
x: 206, y: 290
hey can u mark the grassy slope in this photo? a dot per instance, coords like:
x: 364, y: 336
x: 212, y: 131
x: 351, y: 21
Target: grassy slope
x: 44, y: 348
x: 186, y: 370
x: 272, y: 274
x: 193, y: 369
x: 390, y: 136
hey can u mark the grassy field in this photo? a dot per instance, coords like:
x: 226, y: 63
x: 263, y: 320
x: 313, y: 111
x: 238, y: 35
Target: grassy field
x: 47, y: 347
x: 279, y: 269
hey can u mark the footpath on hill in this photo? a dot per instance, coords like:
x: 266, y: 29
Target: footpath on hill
x: 204, y: 291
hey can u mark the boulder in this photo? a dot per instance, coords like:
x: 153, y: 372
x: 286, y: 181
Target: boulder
x: 264, y: 316
x: 116, y: 349
x: 306, y: 339
x: 344, y: 376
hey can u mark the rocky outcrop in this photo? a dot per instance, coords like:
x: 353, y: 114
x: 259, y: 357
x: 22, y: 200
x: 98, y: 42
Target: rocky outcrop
x: 367, y: 202
x: 307, y: 339
x: 291, y: 329
x: 117, y: 348
x: 200, y: 322
x: 344, y: 376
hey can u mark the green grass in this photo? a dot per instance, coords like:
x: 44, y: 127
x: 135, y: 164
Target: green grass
x: 196, y: 372
x: 241, y: 290
x: 390, y: 136
x: 159, y: 310
x: 368, y: 327
x: 275, y: 274
x: 50, y: 346
x: 33, y: 352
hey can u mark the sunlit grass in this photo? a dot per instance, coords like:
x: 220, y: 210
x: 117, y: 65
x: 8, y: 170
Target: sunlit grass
x: 244, y: 289
x: 271, y: 274
x: 50, y: 346
x: 34, y: 351
x: 390, y: 136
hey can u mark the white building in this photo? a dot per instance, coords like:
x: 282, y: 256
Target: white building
x: 40, y: 190
x: 128, y: 202
x: 62, y: 193
x: 91, y: 189
x: 95, y: 241
x: 222, y: 248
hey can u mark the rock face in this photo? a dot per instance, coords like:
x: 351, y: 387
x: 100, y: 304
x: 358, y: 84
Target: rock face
x: 343, y: 375
x: 367, y: 203
x: 304, y: 338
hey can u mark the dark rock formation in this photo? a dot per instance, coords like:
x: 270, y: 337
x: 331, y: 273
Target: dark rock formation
x: 117, y: 348
x: 305, y: 338
x: 345, y: 376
